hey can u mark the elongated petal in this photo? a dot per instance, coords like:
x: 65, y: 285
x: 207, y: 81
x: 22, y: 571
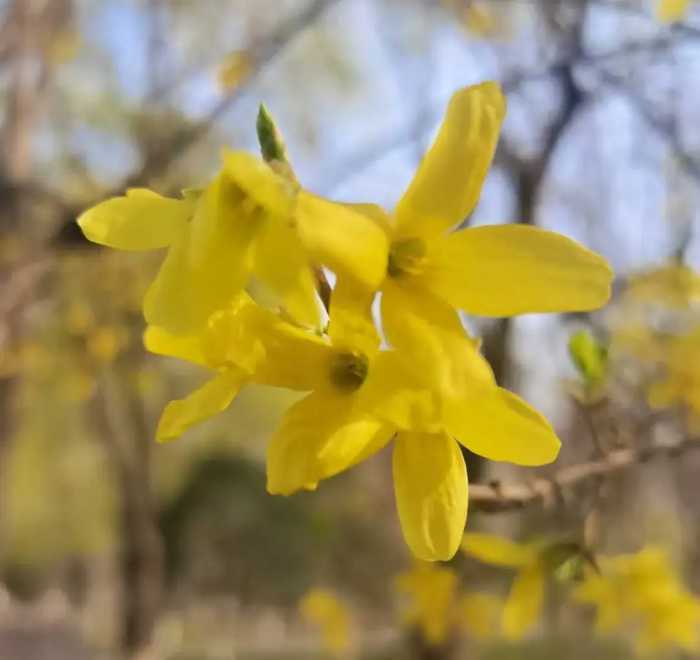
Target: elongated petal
x: 282, y: 265
x: 141, y: 220
x: 209, y: 400
x: 516, y: 269
x: 351, y: 324
x: 524, y: 603
x: 420, y: 325
x: 319, y: 437
x: 186, y: 347
x: 350, y: 243
x: 500, y: 426
x: 206, y: 266
x: 498, y: 550
x: 430, y: 481
x: 446, y: 187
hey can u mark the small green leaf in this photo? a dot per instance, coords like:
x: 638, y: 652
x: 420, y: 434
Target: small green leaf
x: 271, y: 142
x: 589, y: 356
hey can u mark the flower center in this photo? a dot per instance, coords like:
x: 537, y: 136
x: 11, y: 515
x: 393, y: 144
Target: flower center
x: 349, y: 370
x: 406, y: 257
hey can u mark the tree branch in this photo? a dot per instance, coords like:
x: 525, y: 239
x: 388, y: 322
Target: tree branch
x: 497, y: 498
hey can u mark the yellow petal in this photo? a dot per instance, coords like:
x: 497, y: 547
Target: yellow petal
x: 319, y: 437
x: 446, y: 187
x: 206, y: 266
x: 350, y: 243
x: 260, y: 182
x: 422, y: 326
x: 185, y: 347
x: 281, y: 264
x: 516, y: 269
x: 141, y: 220
x: 497, y: 550
x: 498, y: 425
x: 430, y: 481
x: 209, y: 400
x: 351, y: 324
x: 524, y: 603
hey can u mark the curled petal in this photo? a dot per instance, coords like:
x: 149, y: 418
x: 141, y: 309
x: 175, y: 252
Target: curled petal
x: 319, y: 437
x: 209, y: 400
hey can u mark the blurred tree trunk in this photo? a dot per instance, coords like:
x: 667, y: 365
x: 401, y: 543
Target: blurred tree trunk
x: 123, y: 430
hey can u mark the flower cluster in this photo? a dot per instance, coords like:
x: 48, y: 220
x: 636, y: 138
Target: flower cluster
x: 435, y: 604
x: 253, y: 234
x: 642, y: 592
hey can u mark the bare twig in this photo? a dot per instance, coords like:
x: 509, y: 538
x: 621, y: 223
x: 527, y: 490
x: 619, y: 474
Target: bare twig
x: 497, y: 497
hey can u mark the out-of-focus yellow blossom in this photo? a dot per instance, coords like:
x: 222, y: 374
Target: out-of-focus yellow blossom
x: 533, y: 560
x: 675, y: 286
x: 249, y: 220
x: 480, y: 19
x: 105, y: 342
x: 323, y: 609
x: 642, y: 593
x: 431, y: 593
x: 670, y: 11
x: 680, y: 384
x: 435, y: 606
x: 478, y: 614
x: 498, y: 270
x: 235, y: 68
x: 360, y: 398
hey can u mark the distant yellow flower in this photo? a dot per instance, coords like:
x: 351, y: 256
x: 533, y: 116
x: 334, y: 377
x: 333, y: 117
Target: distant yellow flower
x: 670, y: 11
x: 433, y: 603
x: 360, y: 398
x: 523, y: 606
x: 431, y: 593
x: 246, y: 221
x: 675, y: 285
x: 234, y: 69
x: 478, y: 614
x: 680, y: 384
x: 642, y: 592
x: 323, y: 609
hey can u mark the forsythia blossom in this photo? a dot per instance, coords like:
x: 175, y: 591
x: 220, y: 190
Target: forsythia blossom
x: 429, y: 387
x: 434, y: 605
x: 643, y: 592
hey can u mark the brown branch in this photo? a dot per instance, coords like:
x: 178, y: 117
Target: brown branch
x: 496, y: 497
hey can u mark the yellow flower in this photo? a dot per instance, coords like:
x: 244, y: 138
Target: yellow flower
x: 642, y: 592
x: 675, y: 285
x: 670, y: 11
x: 323, y: 609
x: 431, y: 598
x: 478, y: 614
x: 680, y: 357
x: 360, y: 397
x: 498, y: 270
x: 523, y: 606
x: 246, y: 221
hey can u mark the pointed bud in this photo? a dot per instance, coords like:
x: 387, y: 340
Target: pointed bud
x: 589, y: 356
x: 272, y: 145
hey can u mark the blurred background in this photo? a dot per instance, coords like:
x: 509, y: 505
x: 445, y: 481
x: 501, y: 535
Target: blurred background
x: 112, y: 547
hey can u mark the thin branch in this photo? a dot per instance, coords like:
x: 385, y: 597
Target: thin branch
x: 159, y: 161
x: 497, y: 497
